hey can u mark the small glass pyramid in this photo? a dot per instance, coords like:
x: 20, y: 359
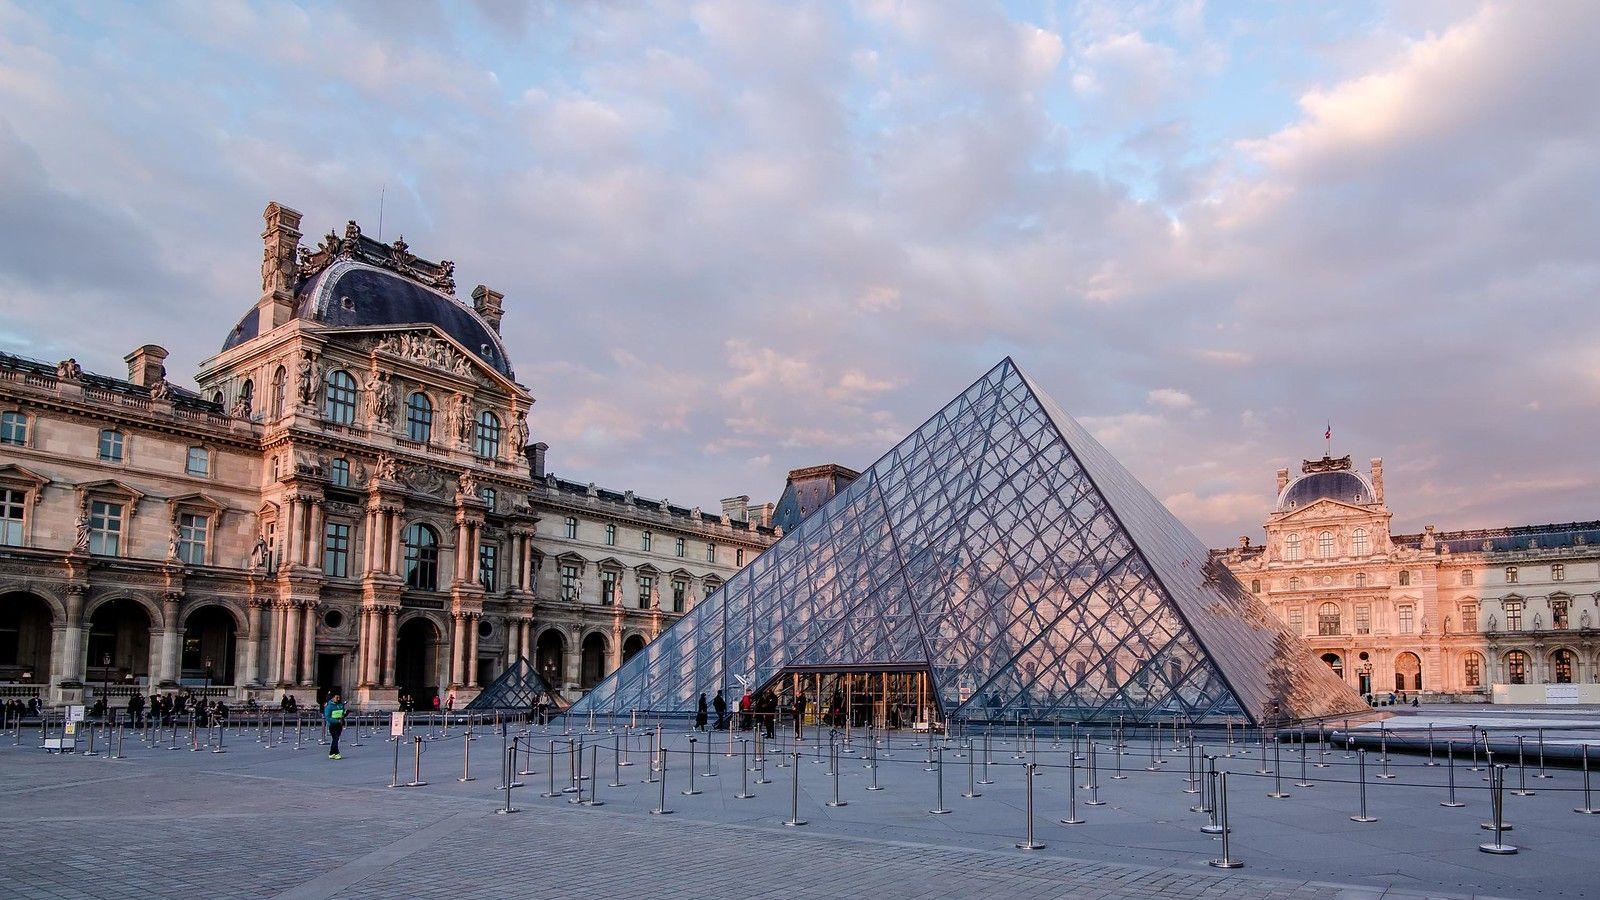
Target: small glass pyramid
x: 519, y: 687
x: 1002, y: 550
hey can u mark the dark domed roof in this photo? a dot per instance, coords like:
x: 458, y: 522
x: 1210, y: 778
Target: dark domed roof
x: 354, y: 294
x: 1346, y: 487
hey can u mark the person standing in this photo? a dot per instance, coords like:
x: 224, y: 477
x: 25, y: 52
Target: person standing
x: 700, y: 713
x: 333, y: 714
x: 799, y: 713
x: 136, y: 710
x: 721, y: 706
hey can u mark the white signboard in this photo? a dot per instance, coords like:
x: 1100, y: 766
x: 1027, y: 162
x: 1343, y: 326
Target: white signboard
x: 397, y: 724
x: 1561, y: 693
x: 75, y: 713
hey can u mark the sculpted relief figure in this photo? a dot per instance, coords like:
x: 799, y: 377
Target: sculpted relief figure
x: 519, y: 433
x: 80, y: 544
x: 386, y: 467
x: 161, y: 390
x: 309, y: 378
x: 462, y: 416
x: 69, y: 370
x: 380, y: 399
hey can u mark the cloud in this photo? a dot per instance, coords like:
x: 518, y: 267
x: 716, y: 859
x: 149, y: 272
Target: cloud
x: 1170, y: 398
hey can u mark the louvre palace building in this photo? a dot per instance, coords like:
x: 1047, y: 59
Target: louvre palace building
x: 351, y: 500
x: 1505, y: 613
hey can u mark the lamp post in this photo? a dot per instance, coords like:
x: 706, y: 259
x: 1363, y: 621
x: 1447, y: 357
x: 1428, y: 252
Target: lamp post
x: 105, y: 682
x: 208, y: 676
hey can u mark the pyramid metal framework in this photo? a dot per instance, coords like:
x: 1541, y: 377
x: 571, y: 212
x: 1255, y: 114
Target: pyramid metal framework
x: 518, y: 687
x: 1002, y: 549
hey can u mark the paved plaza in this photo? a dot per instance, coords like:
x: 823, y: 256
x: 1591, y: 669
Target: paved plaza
x: 255, y: 822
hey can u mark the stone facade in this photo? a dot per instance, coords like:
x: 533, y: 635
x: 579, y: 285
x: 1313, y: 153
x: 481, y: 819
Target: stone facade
x: 1439, y: 613
x: 350, y: 501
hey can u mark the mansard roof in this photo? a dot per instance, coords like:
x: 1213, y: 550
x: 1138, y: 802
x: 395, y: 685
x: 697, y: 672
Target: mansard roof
x: 1511, y: 538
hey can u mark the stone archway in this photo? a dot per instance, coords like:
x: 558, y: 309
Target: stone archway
x: 25, y: 638
x: 117, y: 649
x: 1407, y: 672
x: 631, y: 646
x: 210, y: 647
x: 550, y: 658
x: 1335, y: 662
x: 593, y: 663
x: 416, y: 661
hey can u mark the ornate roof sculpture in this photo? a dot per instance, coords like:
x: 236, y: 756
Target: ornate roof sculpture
x: 1001, y: 548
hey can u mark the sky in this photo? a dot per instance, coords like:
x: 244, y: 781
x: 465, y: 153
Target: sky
x: 739, y: 237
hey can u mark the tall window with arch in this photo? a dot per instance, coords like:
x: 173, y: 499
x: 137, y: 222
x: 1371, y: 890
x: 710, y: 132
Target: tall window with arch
x: 1405, y: 578
x: 1294, y: 583
x: 487, y: 440
x: 419, y: 418
x: 422, y: 557
x: 1291, y: 547
x: 1561, y: 666
x: 339, y: 400
x: 1328, y: 619
x: 1472, y: 671
x: 1517, y: 667
x: 1360, y: 544
x: 280, y: 383
x: 1325, y: 545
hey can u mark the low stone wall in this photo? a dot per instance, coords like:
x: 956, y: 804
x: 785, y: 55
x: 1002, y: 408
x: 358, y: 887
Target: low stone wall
x: 1553, y: 694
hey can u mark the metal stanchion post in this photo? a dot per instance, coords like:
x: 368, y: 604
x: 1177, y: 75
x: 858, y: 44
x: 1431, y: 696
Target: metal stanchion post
x: 1450, y: 775
x: 744, y: 775
x: 298, y: 725
x: 1322, y: 748
x: 833, y: 750
x: 594, y: 777
x: 1262, y: 769
x: 661, y: 803
x: 1072, y: 793
x: 1278, y: 793
x: 416, y: 778
x: 616, y: 762
x: 1431, y: 761
x: 1542, y: 772
x: 1028, y: 843
x: 1361, y: 765
x: 794, y: 819
x: 939, y: 808
x: 1304, y: 782
x: 988, y: 756
x: 508, y: 765
x: 394, y: 782
x: 691, y: 790
x: 1094, y: 774
x: 1227, y: 861
x: 1497, y: 801
x: 551, y: 765
x: 1383, y: 738
x: 1587, y: 808
x: 972, y: 785
x: 1522, y: 773
x: 466, y: 763
x: 1206, y: 783
x: 1190, y: 781
x: 874, y: 785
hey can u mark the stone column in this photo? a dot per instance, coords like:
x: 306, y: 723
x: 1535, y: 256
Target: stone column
x: 390, y: 638
x: 291, y: 531
x: 308, y: 652
x: 287, y: 672
x: 273, y: 646
x: 252, y: 645
x: 397, y: 555
x: 457, y: 649
x: 471, y: 673
x: 169, y: 640
x: 314, y: 535
x: 69, y: 663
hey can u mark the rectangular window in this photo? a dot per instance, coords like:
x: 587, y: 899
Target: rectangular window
x: 488, y: 496
x: 14, y: 428
x: 1469, y: 617
x: 192, y: 531
x: 1474, y: 673
x: 1407, y: 619
x: 339, y: 472
x: 645, y: 541
x: 488, y: 557
x: 1513, y: 615
x: 198, y: 462
x: 336, y: 550
x: 611, y: 535
x: 680, y: 594
x: 1558, y: 613
x: 13, y: 505
x: 1558, y: 572
x: 711, y: 553
x: 678, y: 547
x: 1363, y: 619
x: 1255, y: 585
x: 271, y: 539
x: 1511, y: 574
x: 105, y: 528
x: 1405, y: 578
x: 738, y: 557
x: 647, y: 586
x: 608, y: 588
x: 572, y: 528
x: 1297, y: 620
x: 111, y: 445
x: 570, y: 589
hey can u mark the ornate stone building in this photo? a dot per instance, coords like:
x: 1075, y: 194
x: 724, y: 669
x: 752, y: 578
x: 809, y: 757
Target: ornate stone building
x: 1457, y: 613
x: 349, y: 500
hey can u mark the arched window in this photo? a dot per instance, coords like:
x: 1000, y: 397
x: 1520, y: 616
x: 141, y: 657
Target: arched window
x: 247, y: 398
x: 280, y: 380
x: 1405, y: 578
x: 14, y: 428
x: 1517, y: 667
x: 1325, y: 545
x: 422, y: 557
x: 1328, y: 619
x: 1472, y: 671
x: 1291, y: 547
x: 1255, y: 585
x: 419, y: 418
x: 1294, y: 583
x: 487, y: 444
x: 1335, y: 662
x: 339, y: 401
x: 1359, y: 544
x: 1561, y: 666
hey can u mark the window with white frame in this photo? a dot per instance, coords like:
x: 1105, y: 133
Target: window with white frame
x: 1291, y: 547
x: 13, y: 509
x: 611, y: 535
x: 1328, y: 619
x: 487, y: 441
x: 1473, y: 671
x: 1407, y: 616
x: 1469, y: 617
x: 488, y: 495
x: 679, y: 547
x: 647, y: 586
x: 198, y: 462
x: 1325, y: 545
x: 193, y: 531
x: 1513, y: 610
x: 339, y: 400
x: 339, y: 472
x: 1558, y: 572
x: 1297, y: 620
x: 110, y: 445
x: 14, y: 428
x: 1466, y: 577
x: 105, y: 528
x: 608, y: 588
x: 336, y: 550
x: 571, y: 589
x: 570, y: 524
x: 645, y: 540
x: 1363, y: 618
x: 711, y: 553
x: 1511, y: 574
x: 1360, y: 544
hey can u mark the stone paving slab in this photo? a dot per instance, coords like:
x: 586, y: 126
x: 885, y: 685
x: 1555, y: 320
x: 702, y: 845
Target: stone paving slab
x: 258, y: 822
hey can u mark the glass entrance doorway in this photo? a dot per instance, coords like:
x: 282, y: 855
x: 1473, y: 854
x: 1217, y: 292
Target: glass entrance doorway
x: 881, y: 699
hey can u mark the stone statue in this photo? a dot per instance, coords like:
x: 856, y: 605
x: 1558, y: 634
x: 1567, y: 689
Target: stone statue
x: 1538, y: 622
x: 241, y: 408
x: 1583, y: 619
x: 519, y: 434
x: 80, y: 544
x: 1493, y: 623
x: 161, y: 390
x: 309, y: 374
x: 69, y: 370
x: 463, y: 418
x: 380, y: 399
x: 467, y: 484
x: 386, y: 467
x: 258, y: 554
x: 172, y: 542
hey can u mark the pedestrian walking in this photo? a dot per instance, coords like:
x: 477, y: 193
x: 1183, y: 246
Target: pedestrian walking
x: 700, y: 713
x: 333, y: 714
x: 721, y: 706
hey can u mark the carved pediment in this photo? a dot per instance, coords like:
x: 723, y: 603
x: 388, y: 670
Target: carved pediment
x: 109, y: 487
x: 17, y: 475
x: 426, y: 349
x: 1324, y: 508
x: 426, y: 480
x: 195, y: 500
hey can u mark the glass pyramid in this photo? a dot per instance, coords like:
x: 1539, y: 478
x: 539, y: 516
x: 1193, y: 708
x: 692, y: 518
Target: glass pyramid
x: 1002, y: 549
x: 518, y: 687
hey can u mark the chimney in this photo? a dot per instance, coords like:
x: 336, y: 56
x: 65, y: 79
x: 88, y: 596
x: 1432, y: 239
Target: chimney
x: 1283, y: 479
x: 486, y: 302
x: 145, y: 365
x: 736, y: 508
x: 763, y: 514
x: 280, y: 267
x: 1377, y: 479
x: 535, y: 454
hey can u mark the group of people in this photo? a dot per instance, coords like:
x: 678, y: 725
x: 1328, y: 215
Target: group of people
x: 16, y: 710
x: 163, y: 709
x: 756, y: 711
